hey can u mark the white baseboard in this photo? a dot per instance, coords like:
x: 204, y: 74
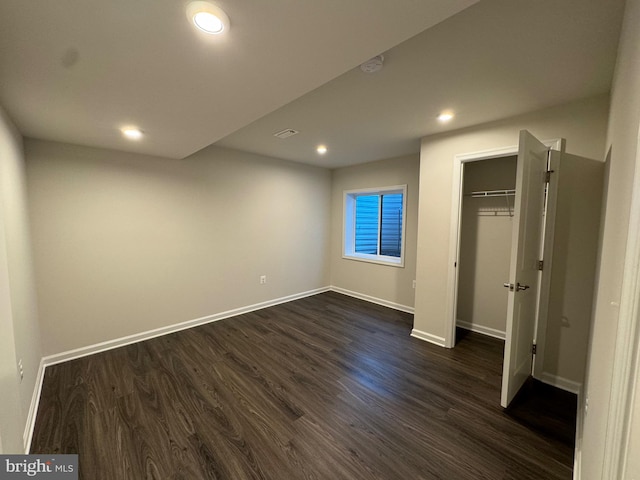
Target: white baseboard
x: 158, y: 332
x: 369, y: 298
x: 491, y: 332
x: 138, y: 337
x: 427, y: 337
x: 147, y: 335
x: 33, y: 409
x: 560, y: 382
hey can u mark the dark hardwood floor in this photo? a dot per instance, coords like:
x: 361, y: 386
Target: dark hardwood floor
x: 326, y: 387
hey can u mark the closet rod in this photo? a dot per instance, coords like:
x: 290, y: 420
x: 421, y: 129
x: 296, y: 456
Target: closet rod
x: 492, y: 193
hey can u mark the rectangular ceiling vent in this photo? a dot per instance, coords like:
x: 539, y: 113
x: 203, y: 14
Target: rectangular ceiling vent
x: 289, y: 132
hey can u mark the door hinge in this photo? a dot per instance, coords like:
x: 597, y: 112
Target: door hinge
x: 547, y: 176
x: 540, y: 264
x: 534, y: 347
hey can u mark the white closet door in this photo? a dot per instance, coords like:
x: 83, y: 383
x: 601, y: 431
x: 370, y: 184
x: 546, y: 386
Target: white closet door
x: 523, y: 276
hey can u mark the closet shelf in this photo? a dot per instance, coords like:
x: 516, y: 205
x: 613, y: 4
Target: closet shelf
x: 491, y: 193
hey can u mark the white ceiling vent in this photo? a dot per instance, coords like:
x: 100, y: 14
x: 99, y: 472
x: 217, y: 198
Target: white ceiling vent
x: 289, y: 132
x: 372, y: 65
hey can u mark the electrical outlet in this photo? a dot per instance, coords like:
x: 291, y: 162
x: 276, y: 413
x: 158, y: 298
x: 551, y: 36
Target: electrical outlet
x: 21, y: 370
x: 414, y: 284
x: 263, y: 279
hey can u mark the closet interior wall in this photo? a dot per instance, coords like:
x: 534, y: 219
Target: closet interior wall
x: 485, y: 245
x: 573, y: 271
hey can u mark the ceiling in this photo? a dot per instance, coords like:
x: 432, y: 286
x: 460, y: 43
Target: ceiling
x: 77, y: 70
x: 496, y: 59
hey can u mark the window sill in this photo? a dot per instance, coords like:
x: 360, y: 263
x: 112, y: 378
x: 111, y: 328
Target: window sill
x: 377, y: 259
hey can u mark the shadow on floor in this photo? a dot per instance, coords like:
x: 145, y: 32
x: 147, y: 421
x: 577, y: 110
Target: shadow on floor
x: 546, y: 409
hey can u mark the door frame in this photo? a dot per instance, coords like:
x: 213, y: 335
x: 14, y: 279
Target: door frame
x: 546, y: 254
x: 456, y: 220
x: 625, y: 385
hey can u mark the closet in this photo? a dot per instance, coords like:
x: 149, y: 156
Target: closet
x: 485, y: 245
x: 528, y: 222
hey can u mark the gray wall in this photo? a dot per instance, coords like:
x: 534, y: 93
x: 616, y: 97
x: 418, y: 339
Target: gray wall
x: 485, y: 246
x: 391, y: 284
x: 582, y: 124
x: 125, y: 243
x: 573, y: 269
x: 19, y: 329
x: 622, y: 143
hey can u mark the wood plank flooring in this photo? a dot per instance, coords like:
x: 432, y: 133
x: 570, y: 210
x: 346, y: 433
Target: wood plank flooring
x: 326, y: 387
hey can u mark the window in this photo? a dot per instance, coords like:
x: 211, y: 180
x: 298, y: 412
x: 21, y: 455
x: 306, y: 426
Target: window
x: 374, y: 225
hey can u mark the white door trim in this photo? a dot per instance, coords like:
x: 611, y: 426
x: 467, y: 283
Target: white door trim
x: 624, y: 382
x: 544, y: 284
x: 454, y: 232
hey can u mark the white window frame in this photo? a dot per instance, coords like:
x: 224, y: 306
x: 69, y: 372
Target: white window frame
x: 349, y: 231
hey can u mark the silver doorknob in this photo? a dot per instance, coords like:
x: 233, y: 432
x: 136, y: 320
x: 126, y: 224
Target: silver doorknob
x: 519, y: 287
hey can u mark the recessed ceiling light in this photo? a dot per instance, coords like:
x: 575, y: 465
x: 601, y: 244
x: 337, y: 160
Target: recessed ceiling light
x: 207, y: 17
x: 444, y: 117
x: 321, y: 149
x: 132, y: 133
